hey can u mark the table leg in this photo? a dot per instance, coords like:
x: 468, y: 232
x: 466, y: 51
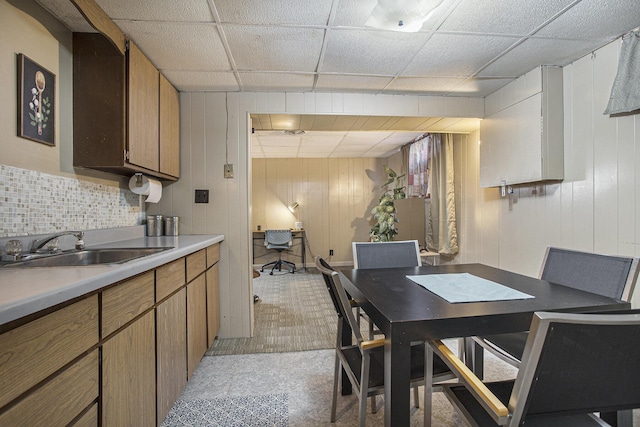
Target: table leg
x: 474, y: 356
x: 397, y: 377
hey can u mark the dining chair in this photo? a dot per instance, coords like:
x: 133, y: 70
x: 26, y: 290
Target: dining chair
x: 363, y: 361
x: 403, y: 253
x: 573, y: 365
x: 279, y: 240
x: 607, y: 275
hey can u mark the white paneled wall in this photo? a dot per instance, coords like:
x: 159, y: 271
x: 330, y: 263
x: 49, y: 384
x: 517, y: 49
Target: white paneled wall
x: 335, y: 196
x: 596, y: 206
x: 215, y: 130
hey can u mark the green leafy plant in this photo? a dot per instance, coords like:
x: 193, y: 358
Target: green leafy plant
x: 385, y: 212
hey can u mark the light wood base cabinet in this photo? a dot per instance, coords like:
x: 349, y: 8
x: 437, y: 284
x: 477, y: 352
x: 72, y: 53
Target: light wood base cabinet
x: 171, y: 338
x: 196, y: 323
x: 129, y: 375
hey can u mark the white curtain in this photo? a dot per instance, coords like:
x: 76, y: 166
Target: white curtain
x: 442, y: 236
x: 625, y: 93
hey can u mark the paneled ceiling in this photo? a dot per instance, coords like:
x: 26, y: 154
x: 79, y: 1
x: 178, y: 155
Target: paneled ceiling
x: 466, y: 48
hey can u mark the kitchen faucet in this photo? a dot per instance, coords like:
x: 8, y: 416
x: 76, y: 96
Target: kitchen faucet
x: 37, y: 245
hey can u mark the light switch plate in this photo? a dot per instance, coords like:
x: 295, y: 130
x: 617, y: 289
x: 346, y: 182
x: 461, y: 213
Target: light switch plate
x: 228, y: 170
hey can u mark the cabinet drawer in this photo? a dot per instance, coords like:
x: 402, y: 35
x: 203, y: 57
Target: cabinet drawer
x: 196, y: 264
x: 125, y: 301
x: 61, y: 399
x: 169, y: 278
x: 213, y: 254
x: 89, y: 419
x: 32, y: 352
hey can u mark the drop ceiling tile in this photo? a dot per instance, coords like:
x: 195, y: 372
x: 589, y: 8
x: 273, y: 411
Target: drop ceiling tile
x: 280, y: 141
x: 66, y: 12
x: 191, y: 81
x: 179, y: 46
x: 276, y: 82
x: 369, y: 51
x: 456, y: 55
x: 502, y: 16
x: 350, y: 83
x: 430, y: 85
x: 365, y: 137
x: 595, y: 19
x: 157, y: 10
x: 274, y: 48
x: 535, y: 52
x: 275, y: 12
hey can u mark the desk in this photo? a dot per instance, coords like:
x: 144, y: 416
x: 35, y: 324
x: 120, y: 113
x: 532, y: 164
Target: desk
x: 406, y: 312
x: 258, y: 242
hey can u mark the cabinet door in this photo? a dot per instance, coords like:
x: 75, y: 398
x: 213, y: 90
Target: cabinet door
x: 196, y: 322
x: 129, y: 375
x: 171, y: 337
x: 169, y: 128
x: 143, y: 101
x: 213, y: 305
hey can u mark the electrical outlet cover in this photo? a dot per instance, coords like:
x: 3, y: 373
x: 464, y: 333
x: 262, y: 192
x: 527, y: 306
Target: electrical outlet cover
x: 202, y: 196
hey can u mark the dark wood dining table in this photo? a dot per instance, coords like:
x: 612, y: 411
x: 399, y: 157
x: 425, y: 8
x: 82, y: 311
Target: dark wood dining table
x: 406, y: 312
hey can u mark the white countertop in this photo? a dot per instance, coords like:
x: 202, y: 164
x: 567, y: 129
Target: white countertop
x: 24, y: 291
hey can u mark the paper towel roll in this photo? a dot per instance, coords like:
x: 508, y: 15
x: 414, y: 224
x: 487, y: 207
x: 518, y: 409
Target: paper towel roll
x: 148, y: 187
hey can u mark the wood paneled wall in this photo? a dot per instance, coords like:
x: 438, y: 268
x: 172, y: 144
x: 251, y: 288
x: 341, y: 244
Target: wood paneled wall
x: 597, y: 205
x: 335, y: 198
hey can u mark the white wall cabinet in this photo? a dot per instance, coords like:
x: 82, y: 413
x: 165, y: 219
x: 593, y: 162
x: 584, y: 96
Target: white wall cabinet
x: 522, y: 133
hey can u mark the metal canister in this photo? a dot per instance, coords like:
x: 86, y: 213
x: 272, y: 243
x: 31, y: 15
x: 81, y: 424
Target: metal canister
x: 171, y: 225
x: 155, y: 225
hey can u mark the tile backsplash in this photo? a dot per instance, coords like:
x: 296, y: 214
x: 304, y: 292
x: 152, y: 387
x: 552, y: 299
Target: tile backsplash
x: 32, y: 202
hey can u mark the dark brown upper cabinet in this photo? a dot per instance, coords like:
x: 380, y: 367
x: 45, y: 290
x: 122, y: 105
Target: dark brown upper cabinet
x: 124, y: 119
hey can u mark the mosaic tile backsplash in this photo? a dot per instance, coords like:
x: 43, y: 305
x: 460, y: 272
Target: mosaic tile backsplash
x: 32, y: 202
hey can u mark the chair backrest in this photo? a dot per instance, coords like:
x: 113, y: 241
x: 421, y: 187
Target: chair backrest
x: 404, y: 253
x: 325, y: 269
x: 278, y: 239
x: 343, y: 306
x: 578, y: 363
x: 607, y: 275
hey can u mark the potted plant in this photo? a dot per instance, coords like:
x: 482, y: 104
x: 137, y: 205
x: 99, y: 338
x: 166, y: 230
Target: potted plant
x: 385, y: 212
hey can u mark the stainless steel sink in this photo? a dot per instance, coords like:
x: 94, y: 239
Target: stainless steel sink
x: 83, y: 257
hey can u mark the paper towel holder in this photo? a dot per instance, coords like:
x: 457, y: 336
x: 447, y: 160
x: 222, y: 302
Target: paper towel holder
x: 138, y: 176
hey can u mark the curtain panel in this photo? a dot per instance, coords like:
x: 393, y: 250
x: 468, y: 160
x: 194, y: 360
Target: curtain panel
x: 418, y: 170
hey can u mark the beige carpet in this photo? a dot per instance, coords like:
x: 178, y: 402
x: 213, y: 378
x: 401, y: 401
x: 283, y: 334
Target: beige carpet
x: 294, y: 313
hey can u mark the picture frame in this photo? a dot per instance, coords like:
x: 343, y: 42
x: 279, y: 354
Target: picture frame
x: 36, y: 101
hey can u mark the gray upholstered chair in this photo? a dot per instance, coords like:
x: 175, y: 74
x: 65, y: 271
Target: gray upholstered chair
x: 363, y: 362
x: 404, y: 253
x: 572, y: 366
x: 612, y: 276
x: 280, y: 240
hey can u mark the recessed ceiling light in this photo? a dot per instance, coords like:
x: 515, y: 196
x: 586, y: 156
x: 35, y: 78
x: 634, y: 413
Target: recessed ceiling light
x: 293, y: 132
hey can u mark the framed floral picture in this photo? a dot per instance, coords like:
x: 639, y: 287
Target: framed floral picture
x: 36, y: 102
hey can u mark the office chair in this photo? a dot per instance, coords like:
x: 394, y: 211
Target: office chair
x: 363, y: 361
x: 280, y: 240
x: 572, y: 366
x: 611, y: 276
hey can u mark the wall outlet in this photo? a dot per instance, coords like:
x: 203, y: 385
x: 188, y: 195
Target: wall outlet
x: 202, y: 196
x: 228, y: 170
x: 330, y: 252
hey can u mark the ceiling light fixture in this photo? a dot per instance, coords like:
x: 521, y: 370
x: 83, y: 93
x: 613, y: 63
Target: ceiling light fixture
x: 293, y: 132
x: 402, y: 15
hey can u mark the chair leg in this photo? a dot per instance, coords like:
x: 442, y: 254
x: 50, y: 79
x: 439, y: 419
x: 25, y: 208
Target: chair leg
x: 336, y: 378
x: 364, y: 390
x: 416, y: 397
